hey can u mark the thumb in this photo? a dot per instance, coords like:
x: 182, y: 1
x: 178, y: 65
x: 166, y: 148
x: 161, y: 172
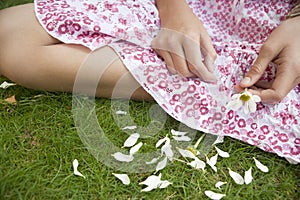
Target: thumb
x: 266, y: 55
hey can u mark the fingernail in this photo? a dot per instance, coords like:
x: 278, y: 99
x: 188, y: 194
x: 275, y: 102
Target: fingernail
x: 246, y: 81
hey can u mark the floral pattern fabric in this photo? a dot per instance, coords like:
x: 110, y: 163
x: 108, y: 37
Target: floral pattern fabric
x: 237, y: 31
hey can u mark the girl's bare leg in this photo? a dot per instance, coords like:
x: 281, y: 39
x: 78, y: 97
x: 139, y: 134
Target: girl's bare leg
x: 32, y: 58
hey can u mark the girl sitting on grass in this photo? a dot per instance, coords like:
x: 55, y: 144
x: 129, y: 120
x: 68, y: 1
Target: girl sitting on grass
x: 189, y: 56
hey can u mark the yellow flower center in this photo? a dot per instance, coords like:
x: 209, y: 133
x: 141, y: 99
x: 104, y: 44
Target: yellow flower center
x: 245, y: 97
x: 191, y: 149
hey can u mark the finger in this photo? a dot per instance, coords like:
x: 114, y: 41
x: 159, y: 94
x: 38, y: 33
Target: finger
x: 267, y: 53
x: 194, y: 57
x: 282, y: 85
x: 264, y: 84
x: 181, y: 66
x: 209, y: 63
x: 208, y: 52
x: 168, y: 60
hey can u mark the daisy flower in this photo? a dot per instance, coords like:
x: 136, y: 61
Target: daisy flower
x: 246, y: 99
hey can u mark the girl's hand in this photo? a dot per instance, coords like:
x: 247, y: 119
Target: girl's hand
x: 183, y: 41
x: 283, y: 48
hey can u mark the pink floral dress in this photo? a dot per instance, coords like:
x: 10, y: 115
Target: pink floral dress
x: 237, y: 28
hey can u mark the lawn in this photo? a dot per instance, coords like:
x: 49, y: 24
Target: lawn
x: 39, y: 141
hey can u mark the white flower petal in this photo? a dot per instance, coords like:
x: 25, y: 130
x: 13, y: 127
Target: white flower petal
x: 182, y: 138
x: 152, y: 182
x: 122, y: 157
x: 248, y: 176
x: 148, y: 189
x: 186, y: 153
x: 197, y: 164
x: 129, y: 127
x: 164, y: 184
x: 167, y: 150
x: 120, y: 112
x: 246, y: 107
x: 131, y: 140
x: 162, y: 164
x: 123, y: 177
x: 154, y: 160
x: 256, y: 98
x: 237, y: 105
x: 6, y: 85
x: 220, y: 139
x: 220, y: 184
x: 75, y: 166
x: 213, y: 195
x: 292, y: 161
x: 198, y: 141
x: 178, y: 133
x: 161, y: 141
x: 214, y: 168
x: 235, y: 96
x: 252, y: 105
x: 238, y: 179
x: 260, y: 166
x: 234, y: 104
x: 213, y: 160
x: 221, y: 153
x: 135, y: 148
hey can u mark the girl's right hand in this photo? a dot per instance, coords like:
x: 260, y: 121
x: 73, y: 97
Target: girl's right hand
x: 183, y: 41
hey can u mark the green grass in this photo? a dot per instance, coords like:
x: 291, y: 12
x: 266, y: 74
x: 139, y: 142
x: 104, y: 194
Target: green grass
x: 39, y: 141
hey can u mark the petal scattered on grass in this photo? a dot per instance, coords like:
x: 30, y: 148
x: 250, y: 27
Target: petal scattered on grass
x: 164, y: 184
x: 212, y: 162
x: 178, y: 133
x: 6, y: 85
x: 219, y: 140
x: 166, y: 149
x: 182, y: 138
x: 292, y: 161
x: 238, y: 179
x: 154, y: 160
x: 213, y: 195
x: 154, y: 182
x: 193, y: 150
x: 162, y: 164
x: 220, y: 184
x: 186, y: 153
x: 129, y: 127
x: 122, y: 157
x: 131, y: 140
x: 75, y: 166
x: 161, y: 141
x: 198, y: 141
x: 248, y: 176
x: 197, y: 164
x: 135, y: 148
x: 123, y: 177
x: 222, y: 153
x: 120, y: 112
x: 261, y: 166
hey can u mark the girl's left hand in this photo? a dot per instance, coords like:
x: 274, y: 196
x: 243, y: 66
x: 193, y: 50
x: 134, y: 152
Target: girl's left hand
x: 283, y: 48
